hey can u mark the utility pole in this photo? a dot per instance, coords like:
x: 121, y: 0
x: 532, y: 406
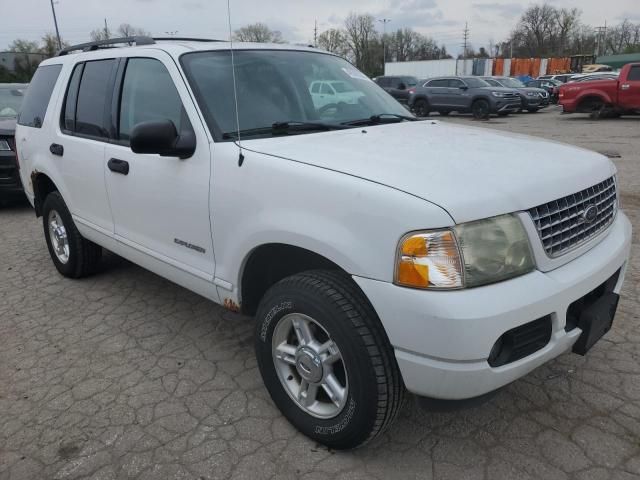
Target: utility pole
x: 107, y: 33
x: 384, y: 22
x: 465, y: 43
x: 55, y: 22
x: 315, y: 34
x: 601, y: 40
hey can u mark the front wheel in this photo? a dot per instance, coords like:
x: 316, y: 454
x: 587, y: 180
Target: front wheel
x: 326, y: 360
x: 73, y: 255
x: 480, y: 109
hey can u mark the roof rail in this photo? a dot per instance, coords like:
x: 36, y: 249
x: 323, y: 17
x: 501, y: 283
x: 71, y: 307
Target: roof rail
x: 186, y: 39
x: 90, y: 46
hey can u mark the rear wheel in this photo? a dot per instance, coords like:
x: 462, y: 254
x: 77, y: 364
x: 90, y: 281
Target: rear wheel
x: 421, y: 107
x: 480, y: 109
x: 72, y: 254
x: 326, y: 359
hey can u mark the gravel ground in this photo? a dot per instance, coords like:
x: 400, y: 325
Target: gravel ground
x: 125, y: 375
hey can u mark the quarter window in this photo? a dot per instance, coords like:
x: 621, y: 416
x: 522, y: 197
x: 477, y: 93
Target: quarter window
x: 148, y: 93
x: 36, y: 100
x: 91, y: 116
x: 69, y: 111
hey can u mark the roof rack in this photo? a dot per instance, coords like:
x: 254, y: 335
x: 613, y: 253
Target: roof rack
x: 186, y: 39
x: 137, y: 40
x: 90, y: 46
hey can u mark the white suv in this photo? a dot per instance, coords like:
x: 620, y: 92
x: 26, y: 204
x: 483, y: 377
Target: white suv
x: 376, y: 252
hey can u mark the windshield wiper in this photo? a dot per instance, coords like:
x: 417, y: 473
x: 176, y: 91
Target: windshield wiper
x: 381, y: 118
x: 284, y: 128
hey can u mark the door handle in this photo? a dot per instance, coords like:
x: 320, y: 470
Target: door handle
x: 626, y: 86
x: 56, y: 149
x: 118, y: 166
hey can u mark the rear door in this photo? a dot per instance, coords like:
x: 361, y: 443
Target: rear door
x: 160, y: 204
x: 82, y: 134
x: 438, y: 90
x: 629, y: 96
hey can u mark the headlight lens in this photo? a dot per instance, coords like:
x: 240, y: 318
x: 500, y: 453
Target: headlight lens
x: 498, y: 94
x: 469, y: 255
x: 4, y: 146
x: 532, y: 94
x: 494, y: 249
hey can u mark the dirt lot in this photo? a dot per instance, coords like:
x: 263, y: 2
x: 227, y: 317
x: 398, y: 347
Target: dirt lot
x: 125, y: 375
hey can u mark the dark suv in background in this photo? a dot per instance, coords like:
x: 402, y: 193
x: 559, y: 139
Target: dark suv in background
x: 397, y: 86
x: 463, y: 95
x: 532, y: 99
x: 11, y: 95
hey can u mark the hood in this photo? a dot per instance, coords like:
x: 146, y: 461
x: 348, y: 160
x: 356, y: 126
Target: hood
x: 499, y: 89
x: 7, y: 126
x: 471, y: 172
x: 533, y: 89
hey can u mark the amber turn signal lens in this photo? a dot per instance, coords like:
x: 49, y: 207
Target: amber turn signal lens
x: 413, y: 274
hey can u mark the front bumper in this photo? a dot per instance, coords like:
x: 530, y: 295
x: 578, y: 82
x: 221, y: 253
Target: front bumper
x: 10, y: 184
x: 442, y: 340
x: 507, y: 106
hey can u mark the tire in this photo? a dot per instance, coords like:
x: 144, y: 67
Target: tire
x: 421, y: 107
x: 73, y: 255
x: 481, y: 109
x: 334, y: 310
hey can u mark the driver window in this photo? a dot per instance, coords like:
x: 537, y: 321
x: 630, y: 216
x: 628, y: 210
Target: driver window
x: 454, y: 83
x: 148, y: 93
x: 315, y: 88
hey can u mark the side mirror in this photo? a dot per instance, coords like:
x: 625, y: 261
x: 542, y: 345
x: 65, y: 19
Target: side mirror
x: 161, y: 137
x: 402, y: 86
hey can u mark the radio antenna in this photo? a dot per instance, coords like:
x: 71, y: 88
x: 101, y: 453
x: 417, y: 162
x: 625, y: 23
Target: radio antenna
x: 235, y: 87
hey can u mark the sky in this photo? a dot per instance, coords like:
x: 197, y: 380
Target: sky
x: 489, y: 21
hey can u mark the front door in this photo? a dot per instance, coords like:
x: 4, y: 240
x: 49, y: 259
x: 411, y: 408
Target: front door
x: 160, y: 204
x: 630, y: 90
x: 457, y: 96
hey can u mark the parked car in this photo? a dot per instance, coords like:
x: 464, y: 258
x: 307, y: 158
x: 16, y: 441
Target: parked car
x: 330, y: 93
x: 551, y: 86
x: 531, y: 99
x: 377, y: 252
x: 397, y: 86
x: 561, y: 77
x: 587, y: 77
x: 11, y: 95
x: 596, y: 68
x: 613, y: 97
x: 463, y: 94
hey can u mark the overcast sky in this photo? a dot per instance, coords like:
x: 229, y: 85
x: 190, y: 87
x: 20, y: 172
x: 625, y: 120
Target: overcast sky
x: 489, y: 20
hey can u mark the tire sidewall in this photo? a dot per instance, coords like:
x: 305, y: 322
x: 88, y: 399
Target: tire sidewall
x: 356, y: 420
x: 55, y: 202
x: 478, y: 112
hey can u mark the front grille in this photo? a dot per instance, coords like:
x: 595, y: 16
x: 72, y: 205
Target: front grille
x: 563, y: 225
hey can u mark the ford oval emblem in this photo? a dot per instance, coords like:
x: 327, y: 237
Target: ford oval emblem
x: 590, y: 213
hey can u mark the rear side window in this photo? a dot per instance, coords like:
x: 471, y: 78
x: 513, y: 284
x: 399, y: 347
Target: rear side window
x: 91, y: 117
x: 71, y: 99
x: 148, y: 93
x: 454, y: 83
x: 634, y: 74
x: 438, y: 83
x: 36, y: 100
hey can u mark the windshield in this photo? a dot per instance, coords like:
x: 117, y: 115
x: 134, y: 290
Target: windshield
x: 276, y: 86
x: 511, y: 82
x: 10, y: 101
x: 475, y: 82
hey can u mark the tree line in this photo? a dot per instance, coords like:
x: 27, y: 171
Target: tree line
x: 547, y: 31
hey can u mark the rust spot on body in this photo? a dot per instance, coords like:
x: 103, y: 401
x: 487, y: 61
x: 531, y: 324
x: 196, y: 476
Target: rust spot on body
x: 231, y: 305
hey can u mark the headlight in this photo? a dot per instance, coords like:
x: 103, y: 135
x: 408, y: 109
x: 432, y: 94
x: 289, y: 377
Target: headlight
x: 532, y: 94
x: 499, y: 94
x: 4, y: 146
x: 469, y: 255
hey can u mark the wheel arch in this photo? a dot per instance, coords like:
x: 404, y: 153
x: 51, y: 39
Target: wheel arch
x: 269, y: 263
x: 42, y: 186
x: 588, y: 98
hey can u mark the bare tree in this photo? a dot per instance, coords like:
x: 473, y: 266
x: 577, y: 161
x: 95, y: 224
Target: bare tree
x: 566, y: 21
x: 334, y: 40
x: 361, y: 37
x: 128, y: 30
x: 259, y: 33
x: 103, y: 33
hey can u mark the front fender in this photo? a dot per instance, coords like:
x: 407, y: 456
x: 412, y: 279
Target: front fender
x: 353, y: 222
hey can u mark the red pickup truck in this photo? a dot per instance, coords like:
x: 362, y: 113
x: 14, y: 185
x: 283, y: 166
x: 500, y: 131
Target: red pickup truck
x: 604, y: 97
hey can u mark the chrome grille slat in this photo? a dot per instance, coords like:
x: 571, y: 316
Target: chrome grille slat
x: 560, y: 222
